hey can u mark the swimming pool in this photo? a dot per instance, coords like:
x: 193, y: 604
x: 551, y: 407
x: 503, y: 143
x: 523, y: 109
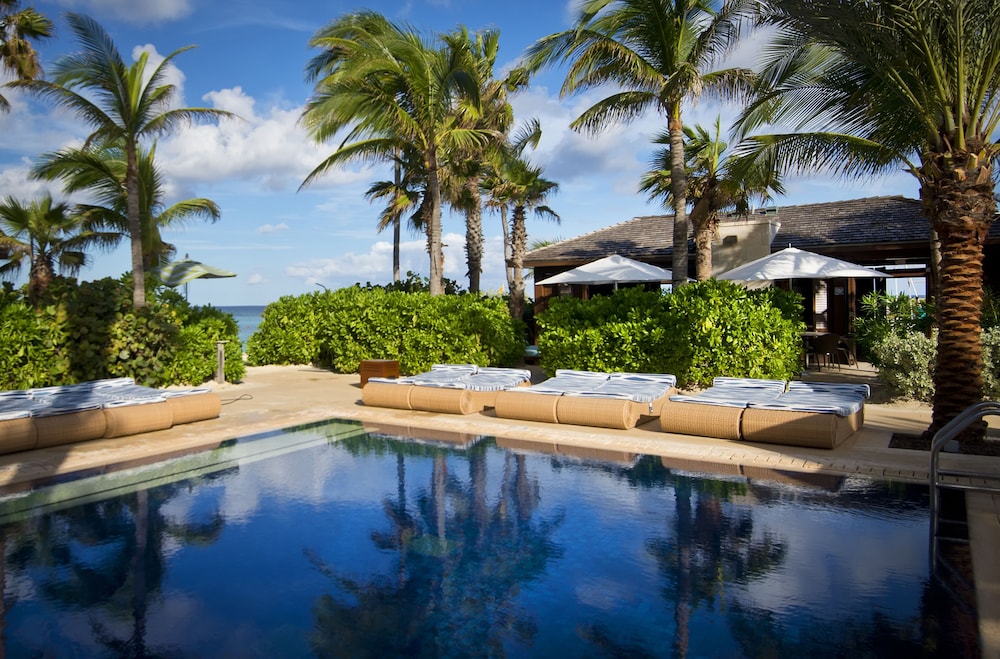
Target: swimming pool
x: 350, y: 539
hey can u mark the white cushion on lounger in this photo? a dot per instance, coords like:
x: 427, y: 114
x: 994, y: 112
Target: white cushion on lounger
x: 832, y: 387
x: 631, y: 386
x: 731, y: 394
x: 803, y: 402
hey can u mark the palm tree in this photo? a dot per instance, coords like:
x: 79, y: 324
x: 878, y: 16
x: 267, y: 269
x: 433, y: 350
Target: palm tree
x: 466, y: 168
x: 657, y: 53
x: 102, y: 172
x: 717, y: 181
x: 18, y: 28
x: 131, y: 104
x: 404, y: 193
x: 527, y: 191
x: 870, y: 86
x: 394, y: 92
x: 47, y: 235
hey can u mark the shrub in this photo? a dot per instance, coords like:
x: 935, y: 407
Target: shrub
x: 906, y: 364
x: 89, y: 331
x: 883, y: 315
x: 701, y: 331
x: 341, y: 328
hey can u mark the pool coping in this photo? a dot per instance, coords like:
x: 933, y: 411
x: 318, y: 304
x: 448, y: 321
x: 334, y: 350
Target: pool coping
x: 275, y: 397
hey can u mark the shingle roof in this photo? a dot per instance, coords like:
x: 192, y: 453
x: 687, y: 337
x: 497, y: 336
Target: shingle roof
x: 873, y: 224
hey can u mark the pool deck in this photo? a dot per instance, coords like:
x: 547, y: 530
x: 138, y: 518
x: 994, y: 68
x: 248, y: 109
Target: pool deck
x: 275, y: 397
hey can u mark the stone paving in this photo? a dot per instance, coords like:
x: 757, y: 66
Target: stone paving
x: 275, y: 397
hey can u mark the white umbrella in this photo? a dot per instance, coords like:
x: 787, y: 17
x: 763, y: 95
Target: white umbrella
x: 181, y: 272
x: 612, y: 269
x: 792, y: 263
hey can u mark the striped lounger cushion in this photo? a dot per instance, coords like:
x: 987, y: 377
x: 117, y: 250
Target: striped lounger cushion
x: 813, y: 415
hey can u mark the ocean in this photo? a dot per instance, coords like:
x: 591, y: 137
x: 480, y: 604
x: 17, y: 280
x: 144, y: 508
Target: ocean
x: 247, y: 318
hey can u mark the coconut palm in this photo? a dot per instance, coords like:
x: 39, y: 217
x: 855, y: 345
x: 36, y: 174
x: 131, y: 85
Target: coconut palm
x: 717, y: 181
x: 871, y: 86
x: 102, y: 173
x: 466, y: 168
x: 526, y: 189
x: 129, y: 105
x: 18, y: 28
x: 49, y: 236
x: 403, y: 194
x: 392, y: 91
x: 658, y: 54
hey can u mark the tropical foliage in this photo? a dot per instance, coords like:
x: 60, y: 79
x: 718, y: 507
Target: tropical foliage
x: 394, y: 93
x: 698, y: 332
x: 341, y: 328
x: 50, y: 237
x: 658, y: 55
x: 717, y: 181
x: 124, y: 104
x: 18, y: 29
x: 90, y: 331
x: 871, y: 86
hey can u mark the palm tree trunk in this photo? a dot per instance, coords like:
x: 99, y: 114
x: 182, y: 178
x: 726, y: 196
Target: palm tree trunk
x: 960, y: 205
x: 507, y: 250
x: 135, y: 228
x: 434, y: 247
x: 396, y: 223
x: 701, y: 220
x: 474, y: 234
x: 519, y: 245
x: 678, y: 187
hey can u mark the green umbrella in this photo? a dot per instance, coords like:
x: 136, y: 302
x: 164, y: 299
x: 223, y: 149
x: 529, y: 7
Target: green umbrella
x: 181, y: 272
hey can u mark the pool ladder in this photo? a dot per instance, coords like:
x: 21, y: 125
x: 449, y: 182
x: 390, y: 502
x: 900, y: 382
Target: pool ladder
x: 990, y: 481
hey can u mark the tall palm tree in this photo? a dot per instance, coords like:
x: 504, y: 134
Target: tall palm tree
x: 870, y: 86
x: 403, y: 194
x: 393, y: 91
x: 527, y: 191
x: 130, y: 104
x: 658, y: 54
x: 47, y: 235
x: 717, y: 181
x: 102, y: 173
x: 18, y: 28
x: 466, y: 168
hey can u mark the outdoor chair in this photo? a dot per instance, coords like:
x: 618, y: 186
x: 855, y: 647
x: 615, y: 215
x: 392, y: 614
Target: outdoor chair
x: 717, y: 411
x: 824, y: 349
x: 810, y: 414
x: 446, y: 388
x: 589, y: 398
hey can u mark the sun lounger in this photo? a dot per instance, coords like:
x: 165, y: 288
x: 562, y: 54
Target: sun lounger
x: 446, y: 388
x: 588, y: 398
x: 815, y: 415
x: 718, y: 410
x: 115, y: 407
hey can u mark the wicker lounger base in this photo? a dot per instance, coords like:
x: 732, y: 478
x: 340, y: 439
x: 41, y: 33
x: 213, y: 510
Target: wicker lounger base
x: 188, y: 408
x: 701, y: 419
x: 60, y: 429
x: 18, y: 435
x: 385, y: 394
x: 450, y: 401
x: 124, y: 420
x: 526, y: 407
x: 808, y: 429
x: 616, y: 413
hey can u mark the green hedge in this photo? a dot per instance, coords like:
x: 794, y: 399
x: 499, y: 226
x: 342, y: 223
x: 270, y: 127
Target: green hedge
x: 339, y: 329
x: 704, y: 330
x: 89, y: 331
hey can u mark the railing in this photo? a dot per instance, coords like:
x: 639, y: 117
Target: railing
x: 951, y: 430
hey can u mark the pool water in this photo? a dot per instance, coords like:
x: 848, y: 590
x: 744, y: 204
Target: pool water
x: 343, y: 539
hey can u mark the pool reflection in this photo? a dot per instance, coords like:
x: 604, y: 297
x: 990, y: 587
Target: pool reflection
x: 382, y: 541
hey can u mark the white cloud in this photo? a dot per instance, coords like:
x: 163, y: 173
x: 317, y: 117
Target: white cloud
x: 171, y: 74
x: 272, y: 228
x: 132, y: 11
x: 255, y: 279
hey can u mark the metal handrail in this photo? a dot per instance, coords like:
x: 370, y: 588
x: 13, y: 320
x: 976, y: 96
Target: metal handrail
x: 948, y: 432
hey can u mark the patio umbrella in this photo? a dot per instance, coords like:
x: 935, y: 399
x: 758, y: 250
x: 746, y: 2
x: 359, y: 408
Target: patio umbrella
x: 792, y: 263
x: 181, y: 272
x: 612, y: 269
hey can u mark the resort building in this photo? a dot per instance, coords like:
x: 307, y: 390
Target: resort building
x: 890, y: 234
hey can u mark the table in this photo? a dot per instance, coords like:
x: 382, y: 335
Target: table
x: 379, y: 368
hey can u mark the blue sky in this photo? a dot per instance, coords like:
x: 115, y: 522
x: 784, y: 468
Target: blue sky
x: 249, y: 59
